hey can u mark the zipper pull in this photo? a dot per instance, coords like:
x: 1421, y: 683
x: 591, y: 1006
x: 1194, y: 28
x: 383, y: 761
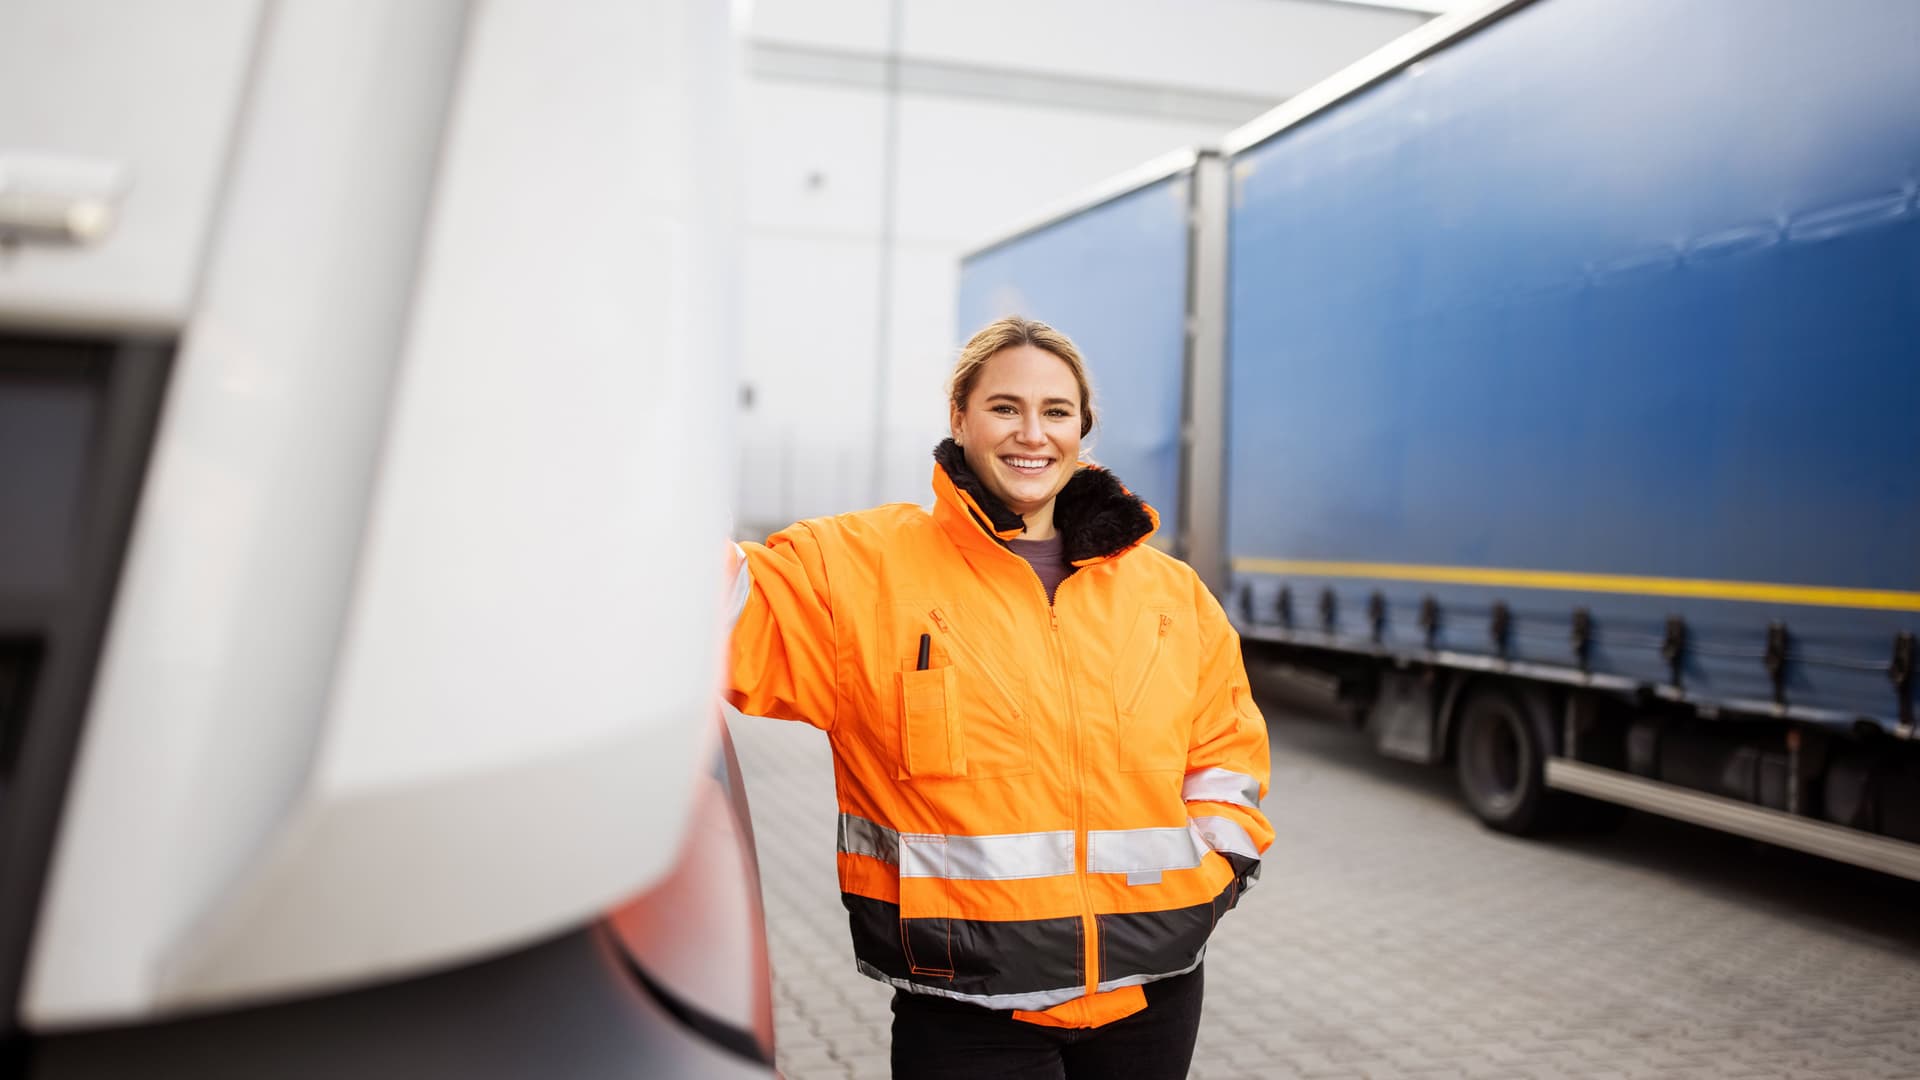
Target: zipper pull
x: 939, y: 620
x: 1166, y: 624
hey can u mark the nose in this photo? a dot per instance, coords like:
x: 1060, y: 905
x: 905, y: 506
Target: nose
x: 1030, y: 433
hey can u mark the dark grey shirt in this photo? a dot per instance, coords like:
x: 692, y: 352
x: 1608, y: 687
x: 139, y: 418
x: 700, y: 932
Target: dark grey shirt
x: 1048, y: 559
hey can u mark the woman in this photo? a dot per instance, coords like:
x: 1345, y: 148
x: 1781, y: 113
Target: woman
x: 1047, y: 759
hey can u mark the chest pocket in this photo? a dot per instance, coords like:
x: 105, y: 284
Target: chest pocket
x: 964, y: 715
x: 1154, y: 679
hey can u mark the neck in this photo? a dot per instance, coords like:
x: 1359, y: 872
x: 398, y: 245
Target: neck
x: 1039, y: 523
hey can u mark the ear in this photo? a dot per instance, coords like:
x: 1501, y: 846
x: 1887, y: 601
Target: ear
x: 953, y: 425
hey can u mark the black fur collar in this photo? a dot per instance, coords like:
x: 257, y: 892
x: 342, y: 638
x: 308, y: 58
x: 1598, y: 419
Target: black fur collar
x: 1095, y: 515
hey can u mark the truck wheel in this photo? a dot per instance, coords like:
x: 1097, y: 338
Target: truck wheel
x: 1501, y: 762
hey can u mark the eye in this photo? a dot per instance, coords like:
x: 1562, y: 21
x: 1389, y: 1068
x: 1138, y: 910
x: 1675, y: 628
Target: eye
x: 1003, y: 409
x: 1058, y: 413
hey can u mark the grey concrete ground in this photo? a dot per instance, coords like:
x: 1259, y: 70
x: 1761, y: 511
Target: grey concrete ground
x: 1391, y: 936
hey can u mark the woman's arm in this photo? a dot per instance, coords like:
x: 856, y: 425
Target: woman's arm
x: 1227, y: 761
x: 781, y: 655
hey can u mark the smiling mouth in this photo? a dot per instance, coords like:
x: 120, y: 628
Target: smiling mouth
x: 1028, y: 465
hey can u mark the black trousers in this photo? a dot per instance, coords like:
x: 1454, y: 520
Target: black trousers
x: 939, y: 1039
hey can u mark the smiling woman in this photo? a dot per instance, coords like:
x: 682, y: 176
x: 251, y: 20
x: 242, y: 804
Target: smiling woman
x: 1048, y: 762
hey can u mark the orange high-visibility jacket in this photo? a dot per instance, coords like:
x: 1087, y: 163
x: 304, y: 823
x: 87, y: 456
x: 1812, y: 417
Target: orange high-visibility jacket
x: 1062, y: 803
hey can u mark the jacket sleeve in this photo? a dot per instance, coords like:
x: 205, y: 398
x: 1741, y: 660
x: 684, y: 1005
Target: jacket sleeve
x: 781, y: 656
x: 1227, y: 763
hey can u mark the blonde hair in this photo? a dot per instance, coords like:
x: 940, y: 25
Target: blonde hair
x: 1004, y: 334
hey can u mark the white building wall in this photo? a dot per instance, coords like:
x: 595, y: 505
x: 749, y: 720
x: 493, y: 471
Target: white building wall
x: 879, y: 151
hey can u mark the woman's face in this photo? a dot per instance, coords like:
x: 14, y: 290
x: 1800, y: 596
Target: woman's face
x: 1021, y: 426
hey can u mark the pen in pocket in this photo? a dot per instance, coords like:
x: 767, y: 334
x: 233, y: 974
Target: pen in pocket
x: 926, y: 640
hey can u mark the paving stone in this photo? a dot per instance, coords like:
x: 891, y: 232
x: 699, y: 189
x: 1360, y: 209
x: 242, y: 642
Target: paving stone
x: 869, y: 1065
x: 810, y: 1062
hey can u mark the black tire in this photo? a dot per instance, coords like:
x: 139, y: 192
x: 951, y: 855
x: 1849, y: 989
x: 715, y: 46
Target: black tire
x: 1499, y: 756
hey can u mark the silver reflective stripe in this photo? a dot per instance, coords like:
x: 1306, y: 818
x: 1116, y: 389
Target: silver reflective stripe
x: 1002, y: 857
x: 1221, y: 785
x: 1034, y: 1002
x: 858, y: 836
x: 1142, y: 980
x: 1226, y: 835
x: 1005, y: 857
x: 742, y: 586
x: 1133, y: 851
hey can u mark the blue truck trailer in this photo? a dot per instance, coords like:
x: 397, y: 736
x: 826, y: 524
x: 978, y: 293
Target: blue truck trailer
x: 1569, y: 371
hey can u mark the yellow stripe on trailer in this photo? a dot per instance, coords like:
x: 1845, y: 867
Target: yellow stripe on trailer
x: 1633, y: 585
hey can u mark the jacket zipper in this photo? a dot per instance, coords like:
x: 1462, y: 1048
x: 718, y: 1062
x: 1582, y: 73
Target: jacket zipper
x: 1153, y: 661
x: 1090, y: 925
x: 954, y: 643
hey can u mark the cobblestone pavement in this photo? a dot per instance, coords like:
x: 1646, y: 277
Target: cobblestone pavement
x: 1391, y: 936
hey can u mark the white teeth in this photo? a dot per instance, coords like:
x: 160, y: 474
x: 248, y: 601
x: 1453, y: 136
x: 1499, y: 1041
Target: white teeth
x: 1026, y: 463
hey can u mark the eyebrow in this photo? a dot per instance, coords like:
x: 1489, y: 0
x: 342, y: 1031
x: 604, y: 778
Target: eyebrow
x: 1016, y: 399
